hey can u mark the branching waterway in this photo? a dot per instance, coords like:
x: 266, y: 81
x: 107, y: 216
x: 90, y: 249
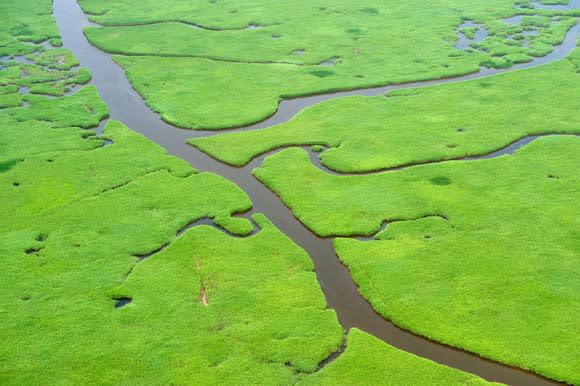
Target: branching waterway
x: 340, y: 291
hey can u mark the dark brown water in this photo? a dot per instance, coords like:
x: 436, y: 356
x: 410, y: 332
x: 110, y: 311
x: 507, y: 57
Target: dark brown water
x: 340, y: 291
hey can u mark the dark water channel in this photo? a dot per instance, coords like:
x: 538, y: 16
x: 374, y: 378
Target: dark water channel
x: 340, y: 291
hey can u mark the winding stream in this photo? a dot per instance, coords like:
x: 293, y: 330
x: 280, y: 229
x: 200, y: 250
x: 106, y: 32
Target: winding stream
x: 315, y: 156
x: 340, y: 291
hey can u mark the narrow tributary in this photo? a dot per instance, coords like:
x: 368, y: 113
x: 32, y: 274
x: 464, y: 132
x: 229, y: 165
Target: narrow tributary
x: 340, y: 291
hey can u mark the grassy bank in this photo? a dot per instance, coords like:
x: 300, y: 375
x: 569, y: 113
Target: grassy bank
x: 421, y: 125
x: 102, y: 280
x: 229, y: 63
x: 481, y: 255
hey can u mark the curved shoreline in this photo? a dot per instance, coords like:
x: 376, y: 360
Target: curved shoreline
x: 341, y: 292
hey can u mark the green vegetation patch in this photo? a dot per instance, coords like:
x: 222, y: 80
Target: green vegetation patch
x: 228, y: 94
x: 102, y: 280
x: 51, y: 125
x: 78, y: 222
x: 47, y: 70
x: 60, y: 58
x: 24, y: 62
x: 20, y: 24
x: 208, y: 306
x: 420, y: 125
x: 368, y: 361
x: 481, y: 255
x: 87, y: 214
x: 261, y: 53
x: 83, y: 109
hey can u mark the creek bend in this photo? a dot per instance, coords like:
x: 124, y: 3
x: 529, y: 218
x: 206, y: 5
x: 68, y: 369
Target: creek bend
x: 341, y: 293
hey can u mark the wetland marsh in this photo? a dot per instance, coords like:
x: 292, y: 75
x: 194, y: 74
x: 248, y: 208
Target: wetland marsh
x: 212, y: 275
